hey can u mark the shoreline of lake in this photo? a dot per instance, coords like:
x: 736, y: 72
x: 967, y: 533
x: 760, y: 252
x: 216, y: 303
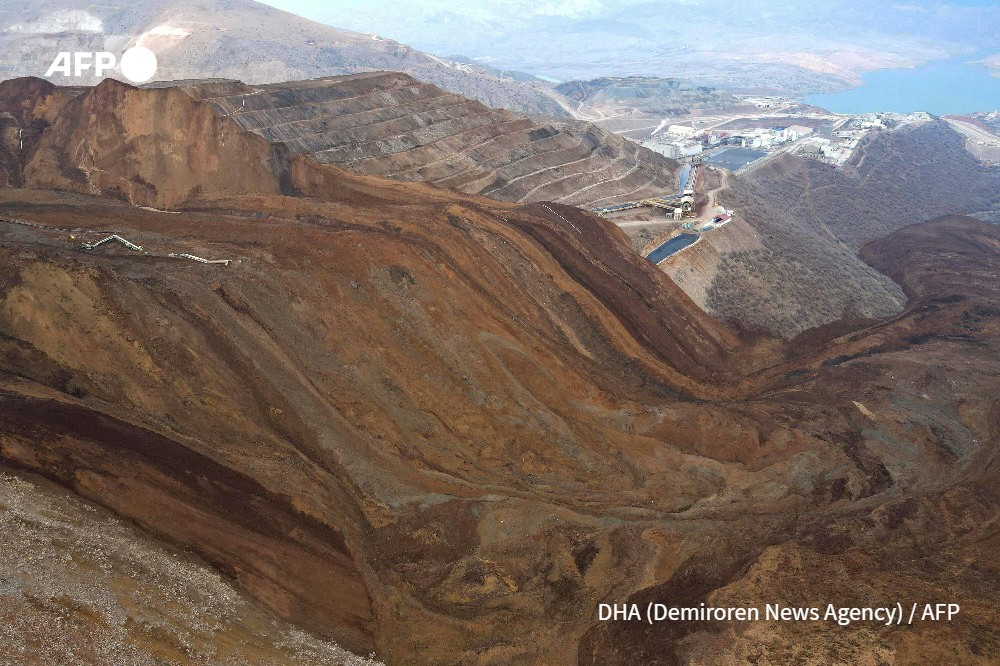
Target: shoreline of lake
x: 941, y: 87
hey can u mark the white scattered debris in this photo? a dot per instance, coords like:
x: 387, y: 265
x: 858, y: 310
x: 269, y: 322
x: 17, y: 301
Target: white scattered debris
x: 561, y: 218
x: 200, y: 259
x: 116, y: 238
x: 311, y: 650
x: 138, y: 248
x: 157, y: 210
x: 162, y: 36
x: 74, y: 574
x: 168, y: 31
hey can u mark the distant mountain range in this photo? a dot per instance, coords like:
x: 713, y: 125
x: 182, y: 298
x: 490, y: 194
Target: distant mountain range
x: 748, y: 45
x: 238, y: 39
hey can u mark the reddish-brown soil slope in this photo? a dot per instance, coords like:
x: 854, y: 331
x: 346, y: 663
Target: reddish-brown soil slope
x: 28, y: 107
x: 445, y: 428
x: 924, y: 430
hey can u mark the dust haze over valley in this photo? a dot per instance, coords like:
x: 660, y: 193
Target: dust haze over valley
x: 322, y: 349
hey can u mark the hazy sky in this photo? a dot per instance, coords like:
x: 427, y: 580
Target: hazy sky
x: 454, y: 22
x: 551, y: 37
x: 328, y: 9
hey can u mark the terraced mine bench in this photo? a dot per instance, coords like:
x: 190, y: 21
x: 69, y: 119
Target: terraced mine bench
x: 389, y: 124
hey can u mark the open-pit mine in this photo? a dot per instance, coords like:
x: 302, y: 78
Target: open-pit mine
x: 410, y: 421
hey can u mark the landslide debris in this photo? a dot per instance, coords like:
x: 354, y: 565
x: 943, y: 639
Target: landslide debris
x: 78, y: 583
x: 444, y: 428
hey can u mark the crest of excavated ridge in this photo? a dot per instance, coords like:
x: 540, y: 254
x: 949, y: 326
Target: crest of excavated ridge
x: 390, y: 124
x: 221, y: 137
x: 154, y: 147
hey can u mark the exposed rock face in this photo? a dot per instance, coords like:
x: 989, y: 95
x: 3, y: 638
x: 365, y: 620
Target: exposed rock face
x: 116, y: 140
x: 28, y: 106
x: 811, y: 219
x: 389, y: 124
x: 279, y: 554
x: 148, y: 147
x: 446, y: 427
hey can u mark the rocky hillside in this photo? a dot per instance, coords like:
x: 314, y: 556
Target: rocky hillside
x: 648, y: 94
x: 385, y: 124
x: 236, y: 39
x: 389, y: 124
x: 444, y: 428
x: 803, y: 270
x: 85, y: 560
